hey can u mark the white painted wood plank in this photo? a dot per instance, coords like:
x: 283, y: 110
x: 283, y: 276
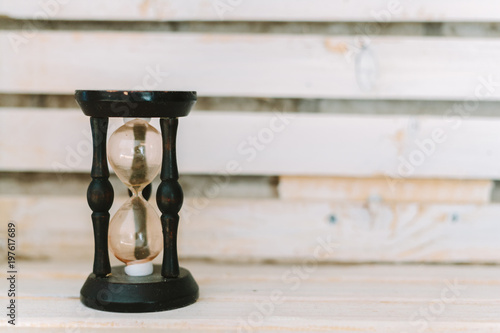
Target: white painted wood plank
x: 391, y: 147
x: 379, y: 189
x: 258, y: 10
x: 431, y: 191
x: 242, y: 230
x: 334, y: 298
x: 345, y: 281
x: 300, y: 66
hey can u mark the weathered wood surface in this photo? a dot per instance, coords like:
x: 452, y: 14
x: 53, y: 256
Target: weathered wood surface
x: 252, y: 65
x: 276, y: 298
x: 239, y: 143
x: 387, y: 190
x: 278, y: 230
x: 257, y: 10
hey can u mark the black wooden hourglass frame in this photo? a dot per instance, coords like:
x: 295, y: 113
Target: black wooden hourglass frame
x: 110, y: 288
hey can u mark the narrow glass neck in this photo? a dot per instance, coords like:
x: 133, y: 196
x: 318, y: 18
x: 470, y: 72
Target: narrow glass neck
x: 137, y: 191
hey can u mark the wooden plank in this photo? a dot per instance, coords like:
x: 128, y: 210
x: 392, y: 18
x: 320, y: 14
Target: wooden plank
x: 285, y: 187
x: 280, y: 230
x: 379, y: 189
x: 258, y: 10
x: 391, y: 147
x: 296, y: 66
x: 277, y: 298
x: 416, y: 279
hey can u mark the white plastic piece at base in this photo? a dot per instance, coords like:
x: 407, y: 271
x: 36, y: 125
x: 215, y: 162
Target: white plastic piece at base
x: 142, y: 269
x: 126, y: 119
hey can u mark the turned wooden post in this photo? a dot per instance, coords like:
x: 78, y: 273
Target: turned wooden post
x: 169, y: 198
x: 100, y: 196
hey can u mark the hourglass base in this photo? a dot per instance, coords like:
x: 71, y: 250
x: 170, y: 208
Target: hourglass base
x: 122, y: 293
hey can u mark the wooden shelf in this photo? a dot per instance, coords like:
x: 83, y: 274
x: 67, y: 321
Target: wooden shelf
x: 268, y: 298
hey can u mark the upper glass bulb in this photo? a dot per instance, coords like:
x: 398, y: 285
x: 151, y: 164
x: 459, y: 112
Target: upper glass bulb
x: 134, y: 152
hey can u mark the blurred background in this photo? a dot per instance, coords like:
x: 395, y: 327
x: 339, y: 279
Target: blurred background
x: 368, y: 126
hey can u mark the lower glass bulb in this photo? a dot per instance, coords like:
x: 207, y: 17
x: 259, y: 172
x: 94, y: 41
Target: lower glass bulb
x: 135, y: 236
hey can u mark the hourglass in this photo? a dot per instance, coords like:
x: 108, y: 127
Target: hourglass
x: 137, y: 152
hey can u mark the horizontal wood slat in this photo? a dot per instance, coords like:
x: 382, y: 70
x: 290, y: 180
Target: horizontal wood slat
x: 389, y: 147
x: 307, y: 66
x: 257, y: 10
x: 282, y: 230
x: 378, y: 189
x: 442, y: 191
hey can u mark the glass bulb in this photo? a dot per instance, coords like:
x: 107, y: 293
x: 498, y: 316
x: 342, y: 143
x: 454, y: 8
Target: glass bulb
x: 135, y: 235
x: 134, y: 152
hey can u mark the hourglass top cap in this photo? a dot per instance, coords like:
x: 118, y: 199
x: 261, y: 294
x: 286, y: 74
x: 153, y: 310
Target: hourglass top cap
x: 135, y: 103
